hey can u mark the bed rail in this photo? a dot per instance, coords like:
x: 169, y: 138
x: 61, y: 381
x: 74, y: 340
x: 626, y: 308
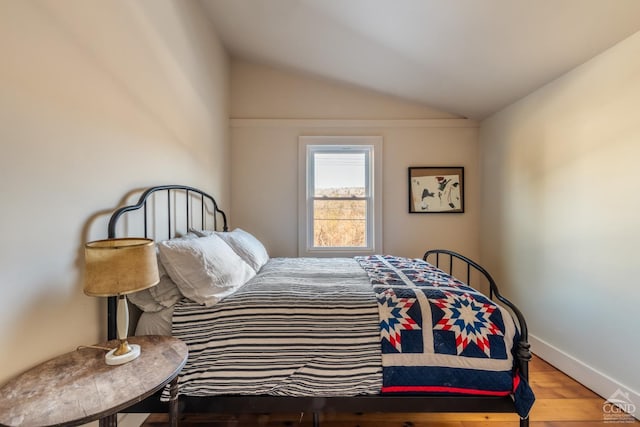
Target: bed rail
x: 445, y: 260
x: 208, y: 208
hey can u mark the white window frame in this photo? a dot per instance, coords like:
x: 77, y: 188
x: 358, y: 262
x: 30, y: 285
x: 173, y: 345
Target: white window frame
x: 310, y: 144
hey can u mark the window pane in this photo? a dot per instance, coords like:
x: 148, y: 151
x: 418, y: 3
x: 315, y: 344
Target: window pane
x: 339, y: 174
x: 340, y: 223
x: 339, y: 198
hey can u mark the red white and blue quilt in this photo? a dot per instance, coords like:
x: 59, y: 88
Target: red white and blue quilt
x: 439, y: 335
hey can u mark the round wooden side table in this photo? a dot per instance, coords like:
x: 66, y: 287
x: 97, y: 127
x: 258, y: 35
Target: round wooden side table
x: 79, y: 387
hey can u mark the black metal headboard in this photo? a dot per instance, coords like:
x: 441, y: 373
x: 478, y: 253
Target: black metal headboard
x: 184, y: 208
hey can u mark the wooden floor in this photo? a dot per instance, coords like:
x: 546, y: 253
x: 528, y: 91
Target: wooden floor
x: 560, y: 402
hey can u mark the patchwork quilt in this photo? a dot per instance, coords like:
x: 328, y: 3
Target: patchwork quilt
x: 439, y: 335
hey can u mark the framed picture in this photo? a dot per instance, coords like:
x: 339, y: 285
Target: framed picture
x: 436, y: 189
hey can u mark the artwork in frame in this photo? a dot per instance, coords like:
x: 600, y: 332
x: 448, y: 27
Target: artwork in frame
x: 436, y: 189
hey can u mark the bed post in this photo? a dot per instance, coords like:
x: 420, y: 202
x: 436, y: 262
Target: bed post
x: 522, y: 353
x: 112, y: 308
x: 112, y: 302
x: 523, y: 356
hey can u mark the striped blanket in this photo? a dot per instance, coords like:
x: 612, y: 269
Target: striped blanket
x: 302, y: 327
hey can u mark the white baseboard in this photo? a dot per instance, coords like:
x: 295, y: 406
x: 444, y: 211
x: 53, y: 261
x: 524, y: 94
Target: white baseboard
x: 586, y: 375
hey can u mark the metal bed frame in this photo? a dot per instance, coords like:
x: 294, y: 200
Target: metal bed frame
x: 235, y: 404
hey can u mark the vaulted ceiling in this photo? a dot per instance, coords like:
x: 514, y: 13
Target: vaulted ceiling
x: 466, y: 57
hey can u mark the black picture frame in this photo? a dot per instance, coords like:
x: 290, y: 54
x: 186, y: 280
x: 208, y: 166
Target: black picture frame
x: 436, y: 189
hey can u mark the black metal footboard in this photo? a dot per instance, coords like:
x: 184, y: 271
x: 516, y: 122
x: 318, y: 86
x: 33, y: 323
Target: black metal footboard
x: 446, y: 260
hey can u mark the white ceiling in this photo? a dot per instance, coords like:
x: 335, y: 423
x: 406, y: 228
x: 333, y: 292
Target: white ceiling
x: 467, y: 57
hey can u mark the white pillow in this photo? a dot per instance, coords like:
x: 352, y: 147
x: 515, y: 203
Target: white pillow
x: 202, y: 233
x: 206, y: 269
x: 247, y: 246
x: 164, y: 294
x: 144, y: 301
x: 250, y: 249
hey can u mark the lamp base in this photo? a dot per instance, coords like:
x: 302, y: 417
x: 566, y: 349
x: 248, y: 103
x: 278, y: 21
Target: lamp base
x: 112, y: 359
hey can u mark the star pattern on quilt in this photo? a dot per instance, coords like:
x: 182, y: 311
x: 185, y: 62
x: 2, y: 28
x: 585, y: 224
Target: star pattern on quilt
x: 384, y: 277
x: 434, y: 279
x: 394, y: 317
x: 407, y: 263
x: 468, y: 319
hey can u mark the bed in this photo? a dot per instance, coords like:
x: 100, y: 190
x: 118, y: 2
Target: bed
x: 321, y: 335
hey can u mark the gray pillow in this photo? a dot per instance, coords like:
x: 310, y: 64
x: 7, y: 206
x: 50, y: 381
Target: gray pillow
x: 163, y: 295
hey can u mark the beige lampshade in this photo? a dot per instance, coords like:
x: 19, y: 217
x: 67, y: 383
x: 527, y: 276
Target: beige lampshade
x: 119, y: 266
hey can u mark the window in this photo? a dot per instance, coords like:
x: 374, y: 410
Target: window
x: 340, y: 203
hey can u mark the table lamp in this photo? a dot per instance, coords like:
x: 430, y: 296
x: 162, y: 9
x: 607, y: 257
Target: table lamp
x: 116, y: 267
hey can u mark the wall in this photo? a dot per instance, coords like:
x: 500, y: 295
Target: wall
x: 560, y: 223
x: 271, y: 108
x: 96, y: 98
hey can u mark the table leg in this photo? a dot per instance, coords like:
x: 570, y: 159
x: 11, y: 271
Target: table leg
x: 109, y: 421
x: 173, y: 403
